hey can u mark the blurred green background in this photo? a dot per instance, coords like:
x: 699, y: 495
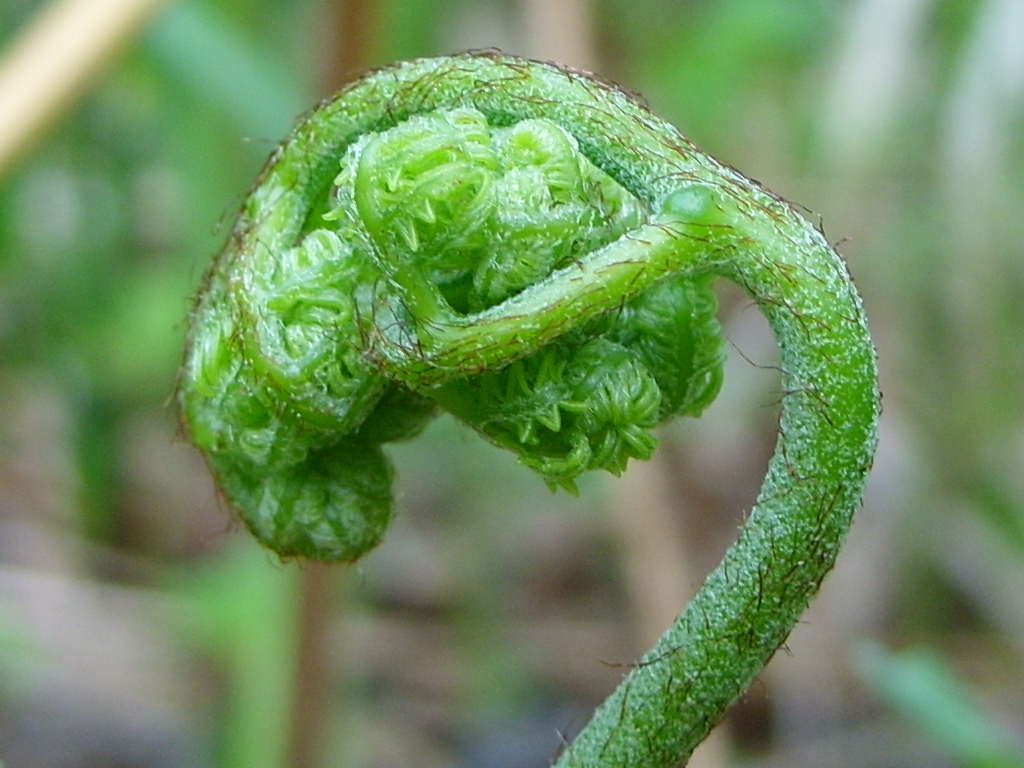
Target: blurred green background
x: 139, y: 626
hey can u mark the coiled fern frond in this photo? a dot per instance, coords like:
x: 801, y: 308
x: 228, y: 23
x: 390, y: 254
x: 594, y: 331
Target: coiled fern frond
x: 531, y: 250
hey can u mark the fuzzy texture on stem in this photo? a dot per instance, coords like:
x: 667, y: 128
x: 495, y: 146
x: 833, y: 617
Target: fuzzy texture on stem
x: 530, y: 249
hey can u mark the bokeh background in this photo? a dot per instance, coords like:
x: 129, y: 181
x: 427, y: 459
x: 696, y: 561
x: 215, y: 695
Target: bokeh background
x: 139, y: 626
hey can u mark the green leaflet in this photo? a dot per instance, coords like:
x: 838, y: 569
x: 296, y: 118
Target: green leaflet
x: 532, y: 250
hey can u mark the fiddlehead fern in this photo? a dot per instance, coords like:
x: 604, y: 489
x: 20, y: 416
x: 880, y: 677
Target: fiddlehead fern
x: 531, y: 250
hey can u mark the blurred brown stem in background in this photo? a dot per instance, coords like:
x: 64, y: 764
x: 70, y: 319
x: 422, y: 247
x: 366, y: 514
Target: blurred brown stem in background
x: 560, y: 30
x: 349, y: 48
x: 313, y: 680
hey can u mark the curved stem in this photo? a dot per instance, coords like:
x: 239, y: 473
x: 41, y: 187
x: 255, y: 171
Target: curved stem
x: 456, y: 345
x: 749, y: 604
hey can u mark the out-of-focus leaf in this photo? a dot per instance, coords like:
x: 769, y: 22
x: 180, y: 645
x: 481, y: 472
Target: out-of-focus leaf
x: 244, y: 609
x: 920, y: 686
x: 250, y: 84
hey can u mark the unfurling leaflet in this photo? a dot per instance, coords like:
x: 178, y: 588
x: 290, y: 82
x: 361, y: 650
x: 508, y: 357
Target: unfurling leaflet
x: 531, y: 250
